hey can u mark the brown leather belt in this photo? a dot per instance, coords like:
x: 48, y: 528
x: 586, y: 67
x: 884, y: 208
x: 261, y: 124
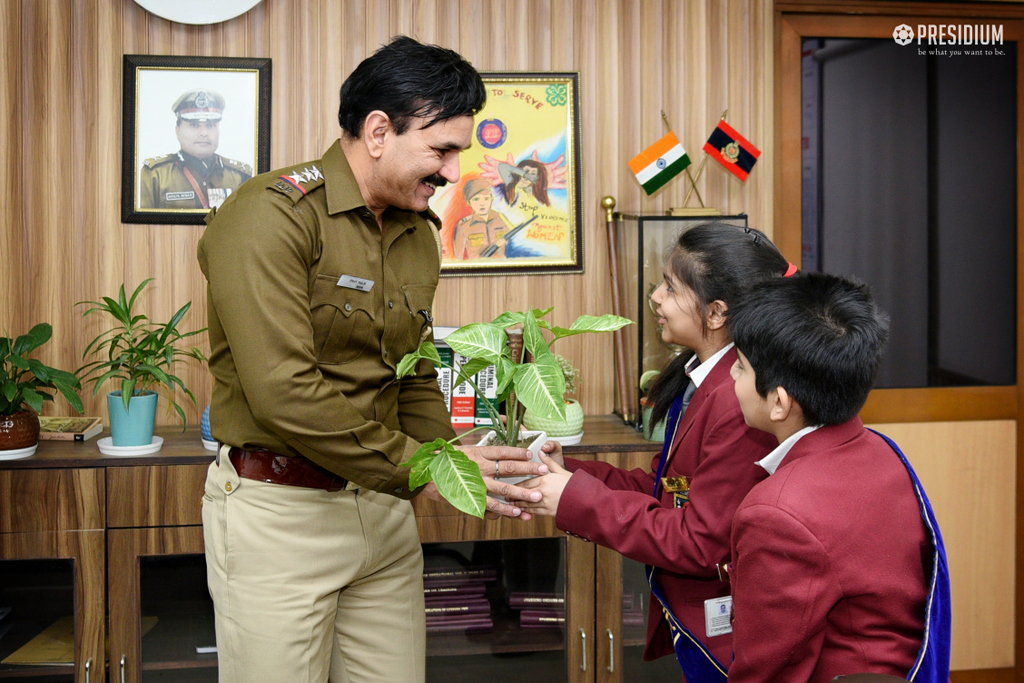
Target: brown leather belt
x: 274, y: 468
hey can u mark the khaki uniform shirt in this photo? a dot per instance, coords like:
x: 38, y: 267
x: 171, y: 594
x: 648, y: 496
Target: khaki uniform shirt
x: 311, y: 307
x: 164, y: 185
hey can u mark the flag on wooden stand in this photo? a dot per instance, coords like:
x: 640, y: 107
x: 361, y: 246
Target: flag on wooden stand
x: 659, y: 163
x: 732, y: 150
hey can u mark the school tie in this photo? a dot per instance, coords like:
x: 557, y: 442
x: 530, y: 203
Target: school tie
x: 691, y: 389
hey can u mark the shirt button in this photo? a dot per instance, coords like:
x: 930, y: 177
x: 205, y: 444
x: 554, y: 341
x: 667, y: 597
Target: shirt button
x: 391, y: 304
x: 348, y: 307
x: 227, y: 487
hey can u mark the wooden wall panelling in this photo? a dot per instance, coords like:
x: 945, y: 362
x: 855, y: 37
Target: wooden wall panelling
x: 968, y: 470
x: 86, y: 549
x: 634, y: 58
x: 41, y: 500
x: 13, y: 314
x: 169, y: 495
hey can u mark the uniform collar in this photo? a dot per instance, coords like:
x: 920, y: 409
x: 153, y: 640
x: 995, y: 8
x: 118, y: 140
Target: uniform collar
x: 815, y: 440
x: 343, y: 190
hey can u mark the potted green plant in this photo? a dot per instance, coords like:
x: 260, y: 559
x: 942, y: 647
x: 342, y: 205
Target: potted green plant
x: 140, y: 354
x: 566, y: 431
x: 537, y: 385
x: 23, y: 385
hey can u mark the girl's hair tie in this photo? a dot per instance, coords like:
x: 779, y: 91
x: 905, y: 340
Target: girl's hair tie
x: 791, y: 270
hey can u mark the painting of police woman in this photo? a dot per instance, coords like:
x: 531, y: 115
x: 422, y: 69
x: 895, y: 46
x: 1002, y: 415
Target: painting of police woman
x: 195, y: 176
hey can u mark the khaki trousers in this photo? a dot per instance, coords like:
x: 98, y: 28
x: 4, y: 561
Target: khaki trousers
x: 309, y: 585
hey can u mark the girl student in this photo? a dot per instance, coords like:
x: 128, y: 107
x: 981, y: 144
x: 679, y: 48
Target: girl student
x: 707, y: 466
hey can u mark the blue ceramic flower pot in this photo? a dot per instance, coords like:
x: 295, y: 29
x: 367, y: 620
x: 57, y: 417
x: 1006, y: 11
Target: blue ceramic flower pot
x: 133, y: 427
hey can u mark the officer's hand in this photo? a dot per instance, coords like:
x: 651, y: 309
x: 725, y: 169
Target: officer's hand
x: 505, y: 461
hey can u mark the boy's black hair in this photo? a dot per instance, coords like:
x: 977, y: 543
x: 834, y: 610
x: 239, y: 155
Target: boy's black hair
x: 818, y: 336
x: 717, y: 261
x: 407, y: 79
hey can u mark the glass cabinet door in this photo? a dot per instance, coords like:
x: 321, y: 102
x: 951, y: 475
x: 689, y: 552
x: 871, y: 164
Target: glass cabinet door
x: 37, y: 620
x: 496, y: 609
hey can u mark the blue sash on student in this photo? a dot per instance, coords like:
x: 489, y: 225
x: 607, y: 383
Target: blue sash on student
x: 932, y: 665
x: 697, y: 662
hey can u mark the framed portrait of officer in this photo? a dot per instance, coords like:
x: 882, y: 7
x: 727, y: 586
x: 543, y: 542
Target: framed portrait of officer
x: 194, y: 130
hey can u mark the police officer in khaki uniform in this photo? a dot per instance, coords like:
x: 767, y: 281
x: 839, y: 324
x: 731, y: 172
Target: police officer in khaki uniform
x: 195, y: 177
x: 321, y: 277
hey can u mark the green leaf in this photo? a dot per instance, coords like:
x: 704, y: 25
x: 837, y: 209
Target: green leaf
x: 459, y: 480
x: 69, y: 392
x: 39, y: 370
x: 507, y: 319
x: 419, y: 463
x: 478, y: 340
x: 506, y: 373
x: 407, y: 365
x: 540, y: 386
x: 533, y: 338
x: 9, y: 390
x: 590, y: 323
x: 127, y: 387
x: 34, y: 400
x: 36, y: 337
x: 19, y: 362
x: 469, y: 370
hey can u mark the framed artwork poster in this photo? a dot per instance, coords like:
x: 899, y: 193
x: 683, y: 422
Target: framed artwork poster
x: 515, y: 209
x: 193, y: 130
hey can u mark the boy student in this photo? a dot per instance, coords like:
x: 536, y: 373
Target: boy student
x: 838, y: 566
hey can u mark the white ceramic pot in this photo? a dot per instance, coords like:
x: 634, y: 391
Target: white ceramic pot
x: 538, y: 440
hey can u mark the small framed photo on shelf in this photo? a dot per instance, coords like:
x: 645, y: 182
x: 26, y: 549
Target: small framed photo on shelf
x: 515, y: 209
x: 193, y: 130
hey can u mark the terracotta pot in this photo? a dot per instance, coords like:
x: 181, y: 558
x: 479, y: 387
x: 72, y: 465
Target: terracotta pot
x: 20, y: 430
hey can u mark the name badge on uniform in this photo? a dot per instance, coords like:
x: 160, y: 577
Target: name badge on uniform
x: 355, y: 283
x: 679, y: 487
x: 718, y: 616
x: 179, y: 196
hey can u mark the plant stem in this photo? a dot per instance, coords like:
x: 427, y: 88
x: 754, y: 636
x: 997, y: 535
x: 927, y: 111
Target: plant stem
x: 515, y: 347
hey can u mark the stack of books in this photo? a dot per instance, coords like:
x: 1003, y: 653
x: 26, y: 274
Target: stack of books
x: 456, y: 599
x: 633, y: 611
x: 539, y: 610
x: 464, y: 403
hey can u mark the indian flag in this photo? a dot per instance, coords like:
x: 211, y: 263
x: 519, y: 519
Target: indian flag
x: 659, y: 163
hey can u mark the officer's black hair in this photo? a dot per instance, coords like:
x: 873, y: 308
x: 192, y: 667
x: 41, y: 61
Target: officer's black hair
x: 818, y: 336
x: 717, y: 261
x: 407, y: 79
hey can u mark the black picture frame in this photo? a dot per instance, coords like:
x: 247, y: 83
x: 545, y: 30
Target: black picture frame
x: 152, y: 84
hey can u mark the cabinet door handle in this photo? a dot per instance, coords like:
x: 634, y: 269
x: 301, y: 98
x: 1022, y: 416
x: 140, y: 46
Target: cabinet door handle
x: 583, y: 637
x: 123, y: 657
x: 611, y: 651
x: 88, y: 669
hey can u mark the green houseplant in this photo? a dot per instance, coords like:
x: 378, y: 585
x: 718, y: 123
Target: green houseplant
x: 24, y: 383
x: 537, y: 386
x: 139, y: 354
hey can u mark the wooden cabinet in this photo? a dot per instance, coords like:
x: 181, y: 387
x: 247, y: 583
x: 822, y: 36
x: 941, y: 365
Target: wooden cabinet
x: 131, y: 528
x: 52, y: 545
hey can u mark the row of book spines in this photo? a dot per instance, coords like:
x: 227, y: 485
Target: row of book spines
x: 464, y: 404
x: 467, y: 625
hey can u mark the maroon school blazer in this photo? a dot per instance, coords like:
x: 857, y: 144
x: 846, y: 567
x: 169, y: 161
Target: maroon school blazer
x: 716, y: 451
x: 831, y: 564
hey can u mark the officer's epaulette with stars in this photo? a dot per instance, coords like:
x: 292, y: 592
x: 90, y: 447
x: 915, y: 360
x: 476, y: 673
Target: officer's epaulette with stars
x: 298, y: 181
x: 156, y: 161
x: 238, y: 166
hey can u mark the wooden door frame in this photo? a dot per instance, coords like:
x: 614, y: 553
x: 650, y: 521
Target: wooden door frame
x: 795, y: 19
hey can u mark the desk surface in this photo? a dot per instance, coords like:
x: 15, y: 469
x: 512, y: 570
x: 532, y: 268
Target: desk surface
x: 601, y: 434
